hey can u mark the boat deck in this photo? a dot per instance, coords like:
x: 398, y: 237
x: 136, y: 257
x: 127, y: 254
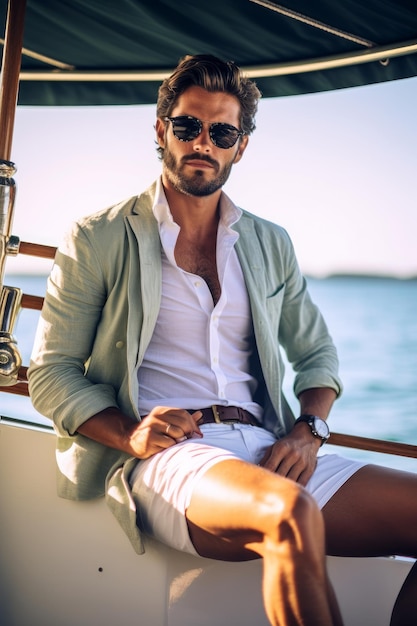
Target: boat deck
x: 69, y: 563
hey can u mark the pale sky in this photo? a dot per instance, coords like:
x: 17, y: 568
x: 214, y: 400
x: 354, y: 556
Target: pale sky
x: 338, y: 170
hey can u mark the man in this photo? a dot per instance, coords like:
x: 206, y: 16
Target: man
x: 157, y: 357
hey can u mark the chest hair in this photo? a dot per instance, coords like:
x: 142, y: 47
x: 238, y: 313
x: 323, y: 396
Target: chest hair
x: 199, y: 259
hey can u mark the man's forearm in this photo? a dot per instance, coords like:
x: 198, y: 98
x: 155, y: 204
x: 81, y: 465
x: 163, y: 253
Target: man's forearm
x: 317, y: 401
x: 161, y: 428
x: 111, y: 428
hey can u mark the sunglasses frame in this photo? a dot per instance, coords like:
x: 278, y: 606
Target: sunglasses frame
x: 200, y: 123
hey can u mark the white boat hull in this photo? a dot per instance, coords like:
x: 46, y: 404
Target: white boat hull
x: 67, y: 563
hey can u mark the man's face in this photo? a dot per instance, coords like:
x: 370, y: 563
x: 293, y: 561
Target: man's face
x: 198, y: 167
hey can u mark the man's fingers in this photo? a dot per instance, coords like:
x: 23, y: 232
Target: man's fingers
x: 196, y: 432
x: 181, y: 425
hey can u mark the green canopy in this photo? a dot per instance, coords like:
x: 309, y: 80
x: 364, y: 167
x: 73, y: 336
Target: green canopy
x: 89, y: 52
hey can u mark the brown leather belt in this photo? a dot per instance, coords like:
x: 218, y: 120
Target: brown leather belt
x: 225, y: 414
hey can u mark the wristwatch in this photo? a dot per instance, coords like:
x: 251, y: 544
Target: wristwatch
x: 318, y: 426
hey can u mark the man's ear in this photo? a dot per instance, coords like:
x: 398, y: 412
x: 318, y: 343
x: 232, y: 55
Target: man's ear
x: 241, y: 148
x: 160, y: 132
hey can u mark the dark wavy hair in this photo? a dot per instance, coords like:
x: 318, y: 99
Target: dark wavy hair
x: 212, y: 74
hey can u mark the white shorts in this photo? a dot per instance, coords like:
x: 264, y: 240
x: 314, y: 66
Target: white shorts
x: 162, y: 485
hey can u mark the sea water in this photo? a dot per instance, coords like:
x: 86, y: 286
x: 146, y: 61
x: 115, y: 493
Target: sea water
x: 373, y: 322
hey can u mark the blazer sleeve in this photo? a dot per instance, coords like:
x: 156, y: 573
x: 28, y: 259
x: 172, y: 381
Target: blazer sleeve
x: 304, y: 334
x: 74, y: 300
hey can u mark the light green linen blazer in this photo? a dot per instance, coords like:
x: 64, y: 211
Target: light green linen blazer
x: 100, y: 310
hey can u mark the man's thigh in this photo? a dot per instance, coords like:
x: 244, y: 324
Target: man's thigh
x: 373, y: 514
x: 233, y: 498
x: 235, y: 505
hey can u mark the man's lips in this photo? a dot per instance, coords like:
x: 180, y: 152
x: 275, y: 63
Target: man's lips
x: 200, y: 162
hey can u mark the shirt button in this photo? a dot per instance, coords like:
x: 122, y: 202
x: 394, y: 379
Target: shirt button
x: 120, y: 344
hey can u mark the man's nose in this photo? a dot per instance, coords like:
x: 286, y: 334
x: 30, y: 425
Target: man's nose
x: 203, y: 143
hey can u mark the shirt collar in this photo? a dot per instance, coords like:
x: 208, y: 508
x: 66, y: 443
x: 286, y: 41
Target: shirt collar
x: 229, y: 212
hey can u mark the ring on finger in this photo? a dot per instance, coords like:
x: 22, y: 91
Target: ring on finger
x: 168, y: 426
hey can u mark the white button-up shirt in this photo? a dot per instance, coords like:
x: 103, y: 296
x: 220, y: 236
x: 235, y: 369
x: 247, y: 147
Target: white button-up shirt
x: 199, y: 353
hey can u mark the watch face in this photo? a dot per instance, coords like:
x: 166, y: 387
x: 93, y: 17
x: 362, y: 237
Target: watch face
x: 321, y: 428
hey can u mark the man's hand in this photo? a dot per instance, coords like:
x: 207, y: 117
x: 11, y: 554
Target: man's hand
x: 294, y: 456
x: 162, y: 428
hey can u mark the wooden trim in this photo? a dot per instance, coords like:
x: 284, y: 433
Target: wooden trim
x: 31, y: 302
x: 23, y: 374
x: 20, y: 389
x: 373, y: 445
x: 37, y: 249
x: 9, y: 76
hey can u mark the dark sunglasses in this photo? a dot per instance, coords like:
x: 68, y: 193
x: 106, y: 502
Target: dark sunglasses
x: 187, y: 128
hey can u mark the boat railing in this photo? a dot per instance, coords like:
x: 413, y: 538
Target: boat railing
x: 338, y: 439
x: 29, y: 301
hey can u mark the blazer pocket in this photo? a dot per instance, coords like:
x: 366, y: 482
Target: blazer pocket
x: 274, y: 304
x: 278, y: 292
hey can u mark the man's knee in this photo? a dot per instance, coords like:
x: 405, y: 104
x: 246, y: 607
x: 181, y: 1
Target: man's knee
x: 293, y: 517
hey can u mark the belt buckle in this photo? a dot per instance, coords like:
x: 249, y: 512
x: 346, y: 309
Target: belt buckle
x: 216, y: 414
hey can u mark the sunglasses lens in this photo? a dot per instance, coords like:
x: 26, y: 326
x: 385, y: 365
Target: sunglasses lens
x: 185, y: 128
x: 224, y: 135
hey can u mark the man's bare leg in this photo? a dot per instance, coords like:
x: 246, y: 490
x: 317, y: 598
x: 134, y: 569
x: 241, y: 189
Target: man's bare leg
x: 375, y: 514
x: 240, y: 511
x: 404, y: 613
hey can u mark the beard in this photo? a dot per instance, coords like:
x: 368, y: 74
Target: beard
x: 195, y: 183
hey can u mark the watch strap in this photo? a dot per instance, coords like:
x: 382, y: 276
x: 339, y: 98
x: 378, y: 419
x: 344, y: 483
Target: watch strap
x: 310, y: 420
x: 305, y: 417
